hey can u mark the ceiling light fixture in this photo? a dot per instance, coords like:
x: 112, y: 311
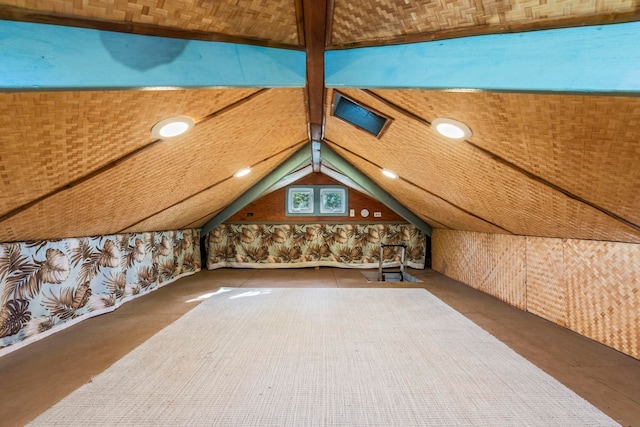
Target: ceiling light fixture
x: 389, y: 174
x: 242, y: 172
x: 451, y: 128
x: 173, y: 126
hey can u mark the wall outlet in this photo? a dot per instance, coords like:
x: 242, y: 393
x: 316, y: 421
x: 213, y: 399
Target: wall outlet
x: 352, y: 212
x: 377, y: 214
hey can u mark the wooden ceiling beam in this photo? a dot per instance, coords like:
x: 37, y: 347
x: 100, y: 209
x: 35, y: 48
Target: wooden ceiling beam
x: 329, y: 23
x: 300, y: 23
x: 315, y: 19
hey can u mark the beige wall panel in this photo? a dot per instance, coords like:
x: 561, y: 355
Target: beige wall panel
x: 492, y: 263
x: 50, y: 139
x: 445, y: 250
x: 432, y: 210
x: 169, y: 172
x: 269, y: 20
x: 203, y: 204
x: 590, y: 287
x: 362, y: 20
x: 507, y: 272
x: 457, y: 254
x: 546, y: 288
x: 603, y: 292
x: 463, y: 175
x: 588, y: 145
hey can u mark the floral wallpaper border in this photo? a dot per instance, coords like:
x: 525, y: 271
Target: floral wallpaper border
x: 48, y: 285
x: 310, y: 245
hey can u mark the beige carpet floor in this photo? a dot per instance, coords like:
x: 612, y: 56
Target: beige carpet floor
x: 330, y: 357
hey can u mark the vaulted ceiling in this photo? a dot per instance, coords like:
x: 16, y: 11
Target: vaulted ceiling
x: 554, y: 151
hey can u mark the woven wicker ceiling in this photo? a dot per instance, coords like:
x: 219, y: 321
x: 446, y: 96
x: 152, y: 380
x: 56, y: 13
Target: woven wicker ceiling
x: 124, y: 187
x: 539, y: 165
x: 82, y: 163
x: 273, y: 20
x: 366, y: 21
x: 50, y: 139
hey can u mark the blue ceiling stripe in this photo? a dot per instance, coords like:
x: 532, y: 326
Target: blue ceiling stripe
x: 41, y: 57
x: 583, y: 59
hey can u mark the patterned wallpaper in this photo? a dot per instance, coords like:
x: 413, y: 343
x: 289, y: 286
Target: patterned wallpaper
x: 309, y: 245
x: 47, y: 285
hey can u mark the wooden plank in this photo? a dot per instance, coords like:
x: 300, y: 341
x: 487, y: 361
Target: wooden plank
x: 315, y: 16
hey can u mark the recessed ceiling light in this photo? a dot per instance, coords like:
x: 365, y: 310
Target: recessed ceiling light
x: 451, y: 128
x: 242, y: 172
x: 389, y: 174
x: 173, y: 126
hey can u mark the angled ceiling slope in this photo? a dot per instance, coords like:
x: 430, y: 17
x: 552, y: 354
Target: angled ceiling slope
x: 290, y: 169
x: 84, y: 141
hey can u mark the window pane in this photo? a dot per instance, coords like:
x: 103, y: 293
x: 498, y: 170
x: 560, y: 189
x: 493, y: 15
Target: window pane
x: 332, y: 200
x: 300, y: 200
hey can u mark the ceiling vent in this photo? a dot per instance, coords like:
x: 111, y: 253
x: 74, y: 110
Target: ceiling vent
x: 362, y: 117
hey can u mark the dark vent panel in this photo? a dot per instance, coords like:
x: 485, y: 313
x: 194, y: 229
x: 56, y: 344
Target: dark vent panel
x: 359, y: 116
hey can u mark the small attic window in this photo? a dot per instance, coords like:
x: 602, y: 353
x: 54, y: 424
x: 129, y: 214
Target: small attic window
x: 362, y: 117
x: 316, y: 200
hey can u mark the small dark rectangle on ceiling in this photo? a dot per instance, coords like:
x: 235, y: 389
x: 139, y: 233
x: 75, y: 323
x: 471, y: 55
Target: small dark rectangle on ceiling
x: 362, y: 117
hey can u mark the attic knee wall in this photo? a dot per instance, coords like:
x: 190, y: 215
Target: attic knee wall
x: 590, y: 287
